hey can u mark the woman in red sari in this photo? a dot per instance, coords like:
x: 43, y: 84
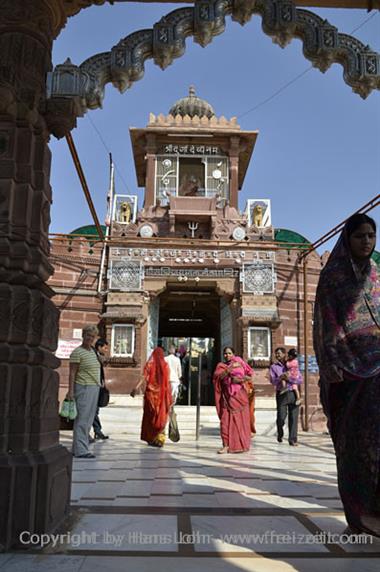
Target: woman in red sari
x: 232, y: 402
x: 157, y: 399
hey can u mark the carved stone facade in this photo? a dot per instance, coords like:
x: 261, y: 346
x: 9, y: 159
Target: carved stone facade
x: 179, y: 268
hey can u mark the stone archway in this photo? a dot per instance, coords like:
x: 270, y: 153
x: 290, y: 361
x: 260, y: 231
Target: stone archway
x: 75, y: 89
x: 35, y: 470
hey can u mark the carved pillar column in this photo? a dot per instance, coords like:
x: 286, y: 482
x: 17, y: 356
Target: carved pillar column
x: 35, y: 471
x: 236, y: 330
x: 150, y: 170
x: 234, y: 171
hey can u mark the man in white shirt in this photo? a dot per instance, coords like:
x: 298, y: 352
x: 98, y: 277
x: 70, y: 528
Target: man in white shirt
x: 175, y: 373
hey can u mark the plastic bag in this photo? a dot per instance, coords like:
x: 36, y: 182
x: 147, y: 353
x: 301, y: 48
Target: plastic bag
x: 173, y: 427
x: 68, y: 409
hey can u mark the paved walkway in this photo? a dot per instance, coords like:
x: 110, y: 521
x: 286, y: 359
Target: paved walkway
x: 186, y: 508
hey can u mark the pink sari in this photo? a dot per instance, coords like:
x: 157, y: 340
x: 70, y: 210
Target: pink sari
x: 232, y: 405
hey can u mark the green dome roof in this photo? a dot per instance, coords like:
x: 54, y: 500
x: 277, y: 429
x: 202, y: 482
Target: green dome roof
x: 88, y: 230
x: 285, y: 235
x: 376, y: 257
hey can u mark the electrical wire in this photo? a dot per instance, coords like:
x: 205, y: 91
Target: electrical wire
x: 88, y: 115
x: 296, y: 78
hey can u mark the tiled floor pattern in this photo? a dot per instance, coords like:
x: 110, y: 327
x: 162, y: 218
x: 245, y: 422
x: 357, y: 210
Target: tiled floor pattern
x: 186, y: 507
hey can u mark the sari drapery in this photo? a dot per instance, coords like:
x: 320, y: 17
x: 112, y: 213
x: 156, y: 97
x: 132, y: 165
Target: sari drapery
x: 347, y: 347
x: 157, y: 399
x: 232, y: 404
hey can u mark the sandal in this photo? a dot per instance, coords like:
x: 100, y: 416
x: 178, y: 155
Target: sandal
x: 223, y: 451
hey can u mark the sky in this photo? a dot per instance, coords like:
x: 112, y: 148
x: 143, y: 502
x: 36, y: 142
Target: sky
x: 317, y: 156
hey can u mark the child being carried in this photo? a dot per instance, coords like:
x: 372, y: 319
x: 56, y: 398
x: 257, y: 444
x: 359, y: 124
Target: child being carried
x: 294, y: 376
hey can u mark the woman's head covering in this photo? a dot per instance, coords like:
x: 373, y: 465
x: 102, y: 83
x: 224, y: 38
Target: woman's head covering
x: 347, y: 313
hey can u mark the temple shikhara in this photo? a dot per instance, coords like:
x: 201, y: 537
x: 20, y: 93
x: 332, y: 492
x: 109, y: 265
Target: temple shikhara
x: 189, y: 267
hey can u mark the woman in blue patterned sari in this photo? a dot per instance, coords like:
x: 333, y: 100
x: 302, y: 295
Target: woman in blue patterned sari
x: 347, y: 346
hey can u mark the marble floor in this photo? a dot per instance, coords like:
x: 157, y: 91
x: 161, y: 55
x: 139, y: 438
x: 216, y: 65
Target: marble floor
x: 186, y: 508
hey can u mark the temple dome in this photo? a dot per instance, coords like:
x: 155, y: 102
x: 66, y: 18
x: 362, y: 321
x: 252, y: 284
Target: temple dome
x: 192, y: 105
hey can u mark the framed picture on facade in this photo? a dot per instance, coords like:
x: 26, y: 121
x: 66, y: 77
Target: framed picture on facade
x: 122, y: 340
x: 259, y: 343
x: 259, y: 212
x: 124, y: 209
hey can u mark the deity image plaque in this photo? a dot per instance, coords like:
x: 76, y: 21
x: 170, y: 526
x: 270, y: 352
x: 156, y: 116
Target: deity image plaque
x: 124, y: 209
x: 259, y: 343
x: 123, y: 340
x: 259, y: 213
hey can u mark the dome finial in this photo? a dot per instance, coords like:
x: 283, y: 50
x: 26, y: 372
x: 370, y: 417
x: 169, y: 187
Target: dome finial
x: 192, y: 105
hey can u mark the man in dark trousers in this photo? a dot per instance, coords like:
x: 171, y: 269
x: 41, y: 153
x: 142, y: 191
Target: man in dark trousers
x: 100, y: 348
x: 285, y: 399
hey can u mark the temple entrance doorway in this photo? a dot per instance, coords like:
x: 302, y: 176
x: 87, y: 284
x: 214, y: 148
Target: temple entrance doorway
x: 190, y: 320
x: 198, y: 362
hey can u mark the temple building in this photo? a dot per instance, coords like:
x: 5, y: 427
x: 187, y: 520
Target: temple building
x: 189, y: 267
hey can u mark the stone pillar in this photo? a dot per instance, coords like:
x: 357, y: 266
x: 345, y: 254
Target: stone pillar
x: 150, y: 170
x: 35, y: 471
x: 234, y: 171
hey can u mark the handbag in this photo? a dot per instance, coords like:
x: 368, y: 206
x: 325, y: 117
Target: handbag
x: 173, y: 427
x: 104, y: 397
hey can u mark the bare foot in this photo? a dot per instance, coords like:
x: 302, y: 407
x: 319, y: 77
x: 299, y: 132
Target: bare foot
x: 223, y: 450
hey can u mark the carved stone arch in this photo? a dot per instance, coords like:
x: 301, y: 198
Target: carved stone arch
x: 124, y: 63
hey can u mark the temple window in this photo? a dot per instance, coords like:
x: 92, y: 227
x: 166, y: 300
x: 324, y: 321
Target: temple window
x: 259, y: 343
x: 191, y: 176
x: 122, y: 340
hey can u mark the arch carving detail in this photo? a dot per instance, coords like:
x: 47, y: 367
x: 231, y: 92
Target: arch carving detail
x: 124, y: 64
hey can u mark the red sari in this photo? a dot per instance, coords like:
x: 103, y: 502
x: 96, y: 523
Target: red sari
x: 157, y: 399
x: 232, y: 404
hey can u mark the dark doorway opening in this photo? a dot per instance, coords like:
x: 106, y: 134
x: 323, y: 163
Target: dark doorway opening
x: 190, y: 320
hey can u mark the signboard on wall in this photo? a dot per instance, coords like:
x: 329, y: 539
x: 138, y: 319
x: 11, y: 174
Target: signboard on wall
x: 291, y: 341
x: 312, y: 366
x: 65, y: 347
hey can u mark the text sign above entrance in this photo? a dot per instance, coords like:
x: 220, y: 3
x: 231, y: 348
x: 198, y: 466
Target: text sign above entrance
x: 189, y: 256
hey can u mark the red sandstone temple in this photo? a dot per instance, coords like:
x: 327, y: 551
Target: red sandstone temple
x: 188, y: 268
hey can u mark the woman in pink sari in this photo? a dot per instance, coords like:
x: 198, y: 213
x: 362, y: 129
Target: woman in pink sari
x: 232, y: 402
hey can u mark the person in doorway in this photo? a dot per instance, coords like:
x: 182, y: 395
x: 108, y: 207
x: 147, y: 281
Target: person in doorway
x: 347, y: 347
x: 175, y: 372
x: 157, y: 399
x: 285, y: 400
x: 232, y: 402
x: 84, y: 384
x: 100, y: 348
